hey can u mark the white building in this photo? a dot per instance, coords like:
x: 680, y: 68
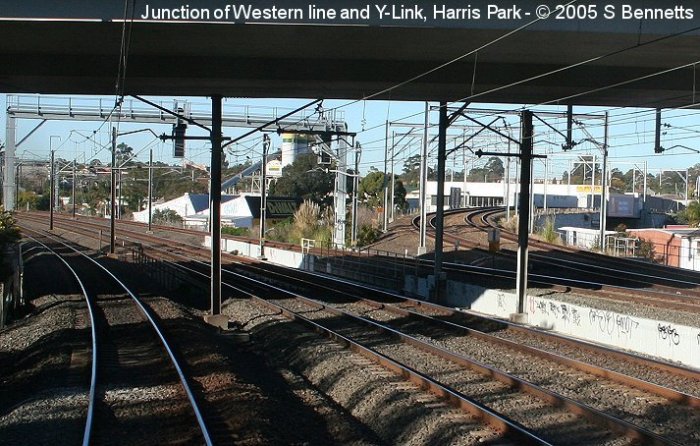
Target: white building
x: 236, y: 210
x: 493, y: 194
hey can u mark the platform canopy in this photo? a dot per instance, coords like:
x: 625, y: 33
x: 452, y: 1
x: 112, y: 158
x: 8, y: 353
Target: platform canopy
x: 73, y: 46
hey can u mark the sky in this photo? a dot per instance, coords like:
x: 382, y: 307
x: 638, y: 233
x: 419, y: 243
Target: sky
x: 631, y: 134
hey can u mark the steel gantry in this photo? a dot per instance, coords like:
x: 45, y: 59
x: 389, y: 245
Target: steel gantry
x: 525, y: 155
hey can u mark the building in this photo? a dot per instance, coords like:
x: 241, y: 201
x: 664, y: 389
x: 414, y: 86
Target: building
x: 236, y: 210
x: 677, y: 246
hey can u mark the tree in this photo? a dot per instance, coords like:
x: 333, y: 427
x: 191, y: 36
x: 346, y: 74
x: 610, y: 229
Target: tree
x: 124, y: 152
x: 9, y: 232
x: 690, y: 215
x: 28, y: 199
x: 400, y: 195
x: 618, y: 183
x: 302, y: 179
x: 166, y: 217
x: 494, y: 169
x: 371, y: 190
x: 411, y: 171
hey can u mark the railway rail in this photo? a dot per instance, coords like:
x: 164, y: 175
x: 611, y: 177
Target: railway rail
x: 117, y: 354
x: 619, y: 284
x: 437, y: 318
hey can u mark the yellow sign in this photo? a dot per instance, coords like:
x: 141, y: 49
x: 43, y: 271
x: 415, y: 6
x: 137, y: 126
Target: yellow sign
x: 587, y: 189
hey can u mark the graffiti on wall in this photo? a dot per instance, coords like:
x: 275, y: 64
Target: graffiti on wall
x: 669, y: 333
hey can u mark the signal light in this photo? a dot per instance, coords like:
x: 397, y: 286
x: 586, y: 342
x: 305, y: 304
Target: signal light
x: 179, y: 139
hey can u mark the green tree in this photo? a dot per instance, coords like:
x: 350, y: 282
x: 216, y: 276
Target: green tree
x: 28, y: 199
x: 302, y: 179
x: 371, y: 189
x: 124, y: 152
x: 494, y: 169
x: 166, y: 217
x: 9, y: 232
x: 690, y: 215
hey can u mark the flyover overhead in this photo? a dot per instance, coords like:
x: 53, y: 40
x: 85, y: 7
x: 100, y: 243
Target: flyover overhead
x: 72, y: 47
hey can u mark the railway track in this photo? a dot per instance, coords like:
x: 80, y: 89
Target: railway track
x: 637, y: 272
x: 624, y: 285
x: 130, y: 353
x: 402, y: 318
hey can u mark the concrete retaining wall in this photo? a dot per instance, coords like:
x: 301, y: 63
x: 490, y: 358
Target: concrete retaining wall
x: 274, y: 255
x: 661, y: 339
x: 657, y: 338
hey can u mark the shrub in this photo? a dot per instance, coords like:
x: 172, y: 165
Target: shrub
x: 367, y: 234
x: 232, y: 230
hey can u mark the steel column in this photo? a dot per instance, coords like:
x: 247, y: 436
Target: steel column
x: 9, y: 173
x: 526, y: 146
x: 355, y: 185
x: 73, y: 192
x: 440, y: 211
x: 263, y: 195
x: 423, y: 182
x: 604, y: 186
x: 113, y: 192
x: 150, y: 190
x: 215, y: 205
x: 51, y: 194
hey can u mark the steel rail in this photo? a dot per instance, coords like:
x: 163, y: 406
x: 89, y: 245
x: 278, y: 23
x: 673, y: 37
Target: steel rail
x: 670, y: 368
x: 624, y: 427
x: 455, y: 398
x: 661, y: 365
x: 156, y: 327
x: 485, y: 213
x: 659, y: 294
x: 673, y: 395
x: 448, y: 311
x: 92, y: 395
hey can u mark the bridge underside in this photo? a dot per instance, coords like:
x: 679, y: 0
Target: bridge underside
x: 345, y: 62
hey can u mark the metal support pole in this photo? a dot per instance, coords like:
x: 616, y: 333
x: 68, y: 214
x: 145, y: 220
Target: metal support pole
x: 423, y: 182
x: 355, y: 185
x: 391, y: 193
x: 113, y: 192
x: 604, y: 186
x: 440, y: 211
x: 215, y: 205
x: 645, y: 184
x: 51, y: 183
x: 8, y: 184
x: 569, y: 127
x: 386, y: 186
x: 73, y: 192
x: 119, y: 199
x: 150, y: 190
x: 546, y: 178
x: 526, y: 146
x: 18, y: 177
x: 263, y: 195
x: 506, y: 202
x: 533, y: 208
